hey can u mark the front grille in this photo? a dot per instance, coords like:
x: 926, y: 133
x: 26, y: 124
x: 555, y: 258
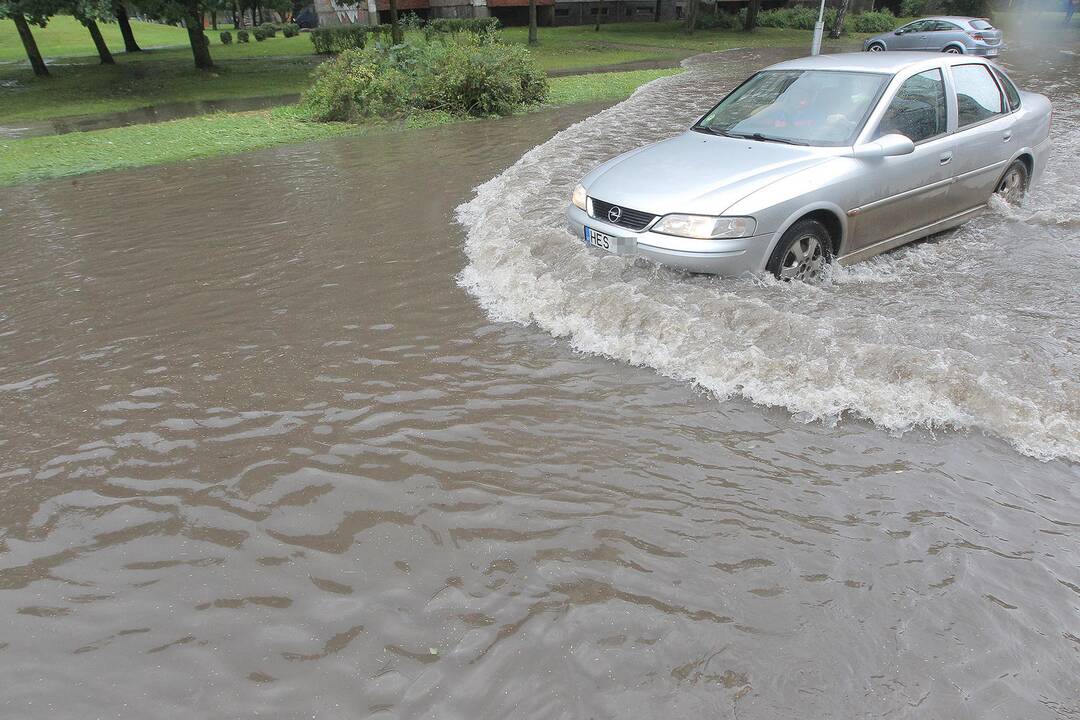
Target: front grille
x: 632, y: 219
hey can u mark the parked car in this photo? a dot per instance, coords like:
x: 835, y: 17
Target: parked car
x: 956, y: 35
x: 836, y: 156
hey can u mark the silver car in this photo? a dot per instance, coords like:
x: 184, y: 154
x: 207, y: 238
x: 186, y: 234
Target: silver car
x: 956, y: 35
x: 829, y: 157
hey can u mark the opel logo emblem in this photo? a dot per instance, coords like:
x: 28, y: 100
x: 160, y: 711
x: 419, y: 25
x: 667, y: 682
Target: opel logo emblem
x: 614, y: 213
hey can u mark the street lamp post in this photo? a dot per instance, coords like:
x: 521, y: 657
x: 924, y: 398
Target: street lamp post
x: 819, y: 30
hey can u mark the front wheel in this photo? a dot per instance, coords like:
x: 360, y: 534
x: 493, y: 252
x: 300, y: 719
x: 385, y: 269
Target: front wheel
x: 1014, y: 183
x: 803, y: 252
x: 876, y: 47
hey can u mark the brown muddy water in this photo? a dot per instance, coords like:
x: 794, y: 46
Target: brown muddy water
x: 262, y: 454
x: 162, y: 112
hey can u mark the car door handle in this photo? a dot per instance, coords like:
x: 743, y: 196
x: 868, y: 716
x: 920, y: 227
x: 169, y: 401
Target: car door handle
x: 1007, y: 136
x: 945, y: 158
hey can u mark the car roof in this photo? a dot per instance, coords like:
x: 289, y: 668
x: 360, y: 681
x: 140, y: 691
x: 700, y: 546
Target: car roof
x: 884, y: 63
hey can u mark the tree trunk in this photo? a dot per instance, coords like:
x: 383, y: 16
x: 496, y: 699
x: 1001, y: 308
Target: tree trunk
x: 751, y: 15
x: 200, y: 44
x: 599, y: 14
x: 30, y: 46
x: 838, y: 26
x: 213, y: 19
x: 235, y: 17
x: 99, y: 42
x: 254, y: 22
x: 532, y: 22
x: 396, y: 35
x: 120, y: 11
x: 656, y: 12
x: 691, y: 16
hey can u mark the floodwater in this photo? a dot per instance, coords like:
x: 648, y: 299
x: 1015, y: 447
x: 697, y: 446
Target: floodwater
x: 161, y: 112
x: 280, y: 438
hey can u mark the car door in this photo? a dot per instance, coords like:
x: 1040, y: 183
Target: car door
x: 900, y: 194
x: 912, y: 36
x: 984, y: 137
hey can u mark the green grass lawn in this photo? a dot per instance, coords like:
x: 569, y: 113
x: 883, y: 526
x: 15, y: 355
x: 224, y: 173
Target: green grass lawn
x: 66, y: 37
x: 41, y: 158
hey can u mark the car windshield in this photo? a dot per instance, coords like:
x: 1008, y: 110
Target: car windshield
x: 800, y: 107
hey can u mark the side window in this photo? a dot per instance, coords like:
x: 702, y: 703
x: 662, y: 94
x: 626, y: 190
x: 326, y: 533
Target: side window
x: 1010, y: 90
x: 918, y: 109
x: 978, y: 97
x: 942, y: 26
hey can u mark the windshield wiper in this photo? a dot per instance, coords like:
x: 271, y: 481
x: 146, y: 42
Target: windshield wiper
x: 765, y: 138
x: 709, y: 130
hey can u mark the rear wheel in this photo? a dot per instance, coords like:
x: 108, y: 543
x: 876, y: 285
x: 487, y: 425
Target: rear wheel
x: 803, y: 252
x: 876, y: 47
x: 953, y: 50
x: 1014, y: 183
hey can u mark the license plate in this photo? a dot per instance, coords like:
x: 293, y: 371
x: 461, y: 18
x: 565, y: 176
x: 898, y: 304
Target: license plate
x: 601, y: 240
x: 991, y: 52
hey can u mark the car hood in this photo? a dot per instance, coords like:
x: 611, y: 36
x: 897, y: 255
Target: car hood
x: 697, y: 173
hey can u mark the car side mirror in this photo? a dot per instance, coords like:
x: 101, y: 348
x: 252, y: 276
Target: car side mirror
x: 886, y: 146
x: 898, y: 32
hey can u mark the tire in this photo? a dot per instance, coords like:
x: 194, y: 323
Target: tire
x: 953, y: 50
x: 1014, y: 183
x: 876, y: 47
x: 803, y: 252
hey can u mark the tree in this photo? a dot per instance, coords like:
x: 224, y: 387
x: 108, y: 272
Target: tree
x: 691, y: 16
x: 395, y: 28
x: 191, y: 13
x: 88, y: 12
x: 121, y: 14
x: 599, y: 13
x: 751, y: 15
x: 532, y: 22
x: 25, y: 13
x: 838, y: 23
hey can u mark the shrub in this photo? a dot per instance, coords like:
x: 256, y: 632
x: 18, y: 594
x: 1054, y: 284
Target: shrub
x: 226, y: 38
x: 913, y: 8
x: 258, y: 33
x: 872, y: 22
x: 461, y: 75
x: 290, y: 30
x: 720, y: 21
x: 411, y: 21
x: 269, y: 29
x: 339, y: 38
x: 242, y: 36
x: 446, y: 26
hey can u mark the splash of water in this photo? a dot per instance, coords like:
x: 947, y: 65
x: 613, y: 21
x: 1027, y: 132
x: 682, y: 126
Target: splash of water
x: 973, y: 329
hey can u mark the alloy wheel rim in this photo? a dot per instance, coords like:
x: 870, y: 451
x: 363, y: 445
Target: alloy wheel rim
x: 1011, y: 188
x: 952, y: 51
x: 805, y: 260
x: 876, y: 48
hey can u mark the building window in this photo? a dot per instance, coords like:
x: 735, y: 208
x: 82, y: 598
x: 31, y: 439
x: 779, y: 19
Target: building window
x: 562, y: 12
x: 593, y: 11
x: 644, y: 10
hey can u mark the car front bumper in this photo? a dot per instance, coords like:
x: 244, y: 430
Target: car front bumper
x: 727, y: 256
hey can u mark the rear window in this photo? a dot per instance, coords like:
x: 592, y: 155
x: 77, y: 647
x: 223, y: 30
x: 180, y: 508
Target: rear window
x: 981, y: 25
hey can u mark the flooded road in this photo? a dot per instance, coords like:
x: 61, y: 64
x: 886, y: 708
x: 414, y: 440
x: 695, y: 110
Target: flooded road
x: 279, y: 438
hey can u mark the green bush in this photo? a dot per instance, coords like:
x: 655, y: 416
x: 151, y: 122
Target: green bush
x: 242, y: 36
x: 269, y: 29
x: 339, y: 38
x: 720, y: 21
x: 290, y: 29
x: 463, y: 75
x: 871, y: 22
x: 411, y: 21
x: 258, y: 33
x: 913, y: 8
x: 226, y: 38
x: 446, y: 26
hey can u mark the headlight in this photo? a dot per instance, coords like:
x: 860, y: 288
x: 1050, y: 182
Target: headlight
x: 580, y: 197
x: 705, y: 227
